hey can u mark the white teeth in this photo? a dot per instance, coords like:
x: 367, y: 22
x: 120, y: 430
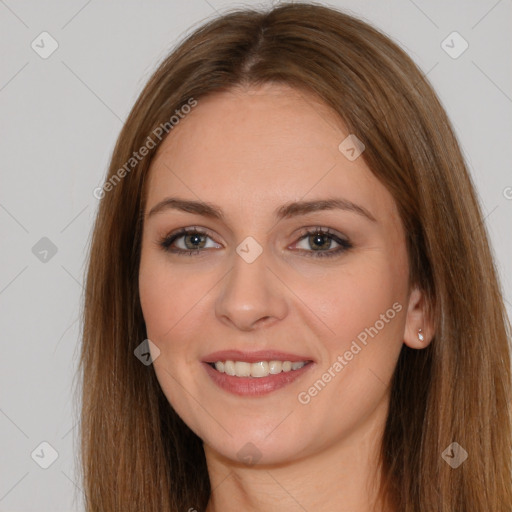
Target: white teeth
x: 275, y: 367
x: 229, y: 367
x: 242, y: 369
x: 259, y: 369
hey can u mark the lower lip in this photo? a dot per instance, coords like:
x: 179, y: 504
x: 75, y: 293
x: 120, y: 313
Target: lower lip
x: 254, y: 386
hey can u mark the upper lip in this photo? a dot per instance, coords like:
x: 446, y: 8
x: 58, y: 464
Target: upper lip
x: 253, y: 357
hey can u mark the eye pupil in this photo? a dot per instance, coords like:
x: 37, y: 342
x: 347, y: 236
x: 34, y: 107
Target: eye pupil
x: 320, y: 239
x: 196, y: 240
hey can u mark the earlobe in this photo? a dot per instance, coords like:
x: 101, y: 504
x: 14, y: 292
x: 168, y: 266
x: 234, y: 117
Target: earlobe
x: 418, y: 328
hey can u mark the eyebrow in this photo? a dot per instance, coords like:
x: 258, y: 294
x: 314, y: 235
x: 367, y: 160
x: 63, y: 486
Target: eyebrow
x: 288, y: 210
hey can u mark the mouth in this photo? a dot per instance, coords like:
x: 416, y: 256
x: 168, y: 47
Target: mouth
x: 256, y: 373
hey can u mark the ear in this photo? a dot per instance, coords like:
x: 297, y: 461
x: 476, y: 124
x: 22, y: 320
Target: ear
x: 416, y: 319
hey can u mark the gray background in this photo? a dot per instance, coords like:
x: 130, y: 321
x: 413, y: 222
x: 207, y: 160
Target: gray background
x: 60, y: 117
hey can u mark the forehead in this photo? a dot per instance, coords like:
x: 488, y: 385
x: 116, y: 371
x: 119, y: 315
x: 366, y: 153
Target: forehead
x: 258, y: 147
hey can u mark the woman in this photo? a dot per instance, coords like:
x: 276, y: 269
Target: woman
x: 291, y: 301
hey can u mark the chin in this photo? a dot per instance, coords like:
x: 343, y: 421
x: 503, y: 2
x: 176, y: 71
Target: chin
x: 247, y: 452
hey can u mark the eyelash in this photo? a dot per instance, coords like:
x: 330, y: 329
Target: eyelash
x: 344, y: 245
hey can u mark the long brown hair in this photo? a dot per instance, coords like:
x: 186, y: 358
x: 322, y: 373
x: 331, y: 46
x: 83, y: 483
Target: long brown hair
x: 136, y: 453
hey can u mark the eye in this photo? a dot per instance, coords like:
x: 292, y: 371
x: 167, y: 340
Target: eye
x: 321, y: 240
x: 192, y: 241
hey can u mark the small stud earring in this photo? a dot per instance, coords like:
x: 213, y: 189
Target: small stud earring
x: 420, y: 336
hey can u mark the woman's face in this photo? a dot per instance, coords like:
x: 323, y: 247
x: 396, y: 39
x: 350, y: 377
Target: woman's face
x: 259, y: 292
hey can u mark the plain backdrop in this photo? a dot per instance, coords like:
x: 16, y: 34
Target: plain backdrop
x: 60, y: 117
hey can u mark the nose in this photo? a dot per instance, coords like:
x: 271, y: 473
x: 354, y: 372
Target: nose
x: 251, y: 295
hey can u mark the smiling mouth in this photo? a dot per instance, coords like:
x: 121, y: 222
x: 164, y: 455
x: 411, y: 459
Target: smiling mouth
x: 258, y: 369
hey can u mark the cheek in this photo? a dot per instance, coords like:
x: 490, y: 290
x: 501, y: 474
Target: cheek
x: 153, y: 299
x: 366, y: 313
x: 165, y: 296
x: 355, y: 298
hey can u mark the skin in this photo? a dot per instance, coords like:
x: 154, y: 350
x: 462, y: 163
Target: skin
x: 249, y: 151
